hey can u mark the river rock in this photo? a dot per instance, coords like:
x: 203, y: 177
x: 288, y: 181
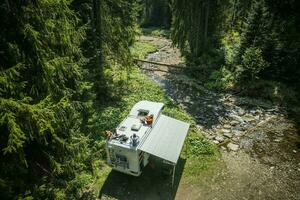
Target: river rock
x: 294, y: 151
x: 216, y: 141
x: 237, y: 132
x: 225, y: 130
x: 241, y: 111
x: 234, y: 123
x: 232, y: 147
x: 210, y: 137
x: 237, y: 118
x: 229, y: 135
x: 219, y: 138
x: 248, y: 118
x: 278, y: 140
x: 226, y: 126
x: 223, y: 148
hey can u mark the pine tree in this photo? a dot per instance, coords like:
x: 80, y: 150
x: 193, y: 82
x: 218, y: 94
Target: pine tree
x: 193, y: 25
x: 50, y: 60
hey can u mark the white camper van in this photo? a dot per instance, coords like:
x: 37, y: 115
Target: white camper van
x: 133, y: 141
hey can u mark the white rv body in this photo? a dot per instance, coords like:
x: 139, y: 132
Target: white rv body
x: 123, y: 156
x: 130, y: 146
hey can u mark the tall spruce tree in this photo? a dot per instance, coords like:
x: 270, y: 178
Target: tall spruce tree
x: 192, y: 25
x: 52, y: 57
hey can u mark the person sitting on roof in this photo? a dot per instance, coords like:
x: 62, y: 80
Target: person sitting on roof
x: 109, y: 134
x: 148, y: 120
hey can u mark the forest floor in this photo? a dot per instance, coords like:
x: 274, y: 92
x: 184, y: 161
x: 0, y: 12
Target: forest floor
x: 259, y: 143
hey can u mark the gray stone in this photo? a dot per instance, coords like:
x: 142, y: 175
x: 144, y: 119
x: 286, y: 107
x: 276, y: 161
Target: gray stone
x: 226, y: 126
x: 219, y: 138
x: 216, y: 141
x: 277, y: 139
x: 248, y: 118
x: 294, y: 151
x: 232, y: 147
x: 241, y: 112
x: 210, y: 137
x: 234, y: 123
x: 223, y: 148
x: 229, y: 135
x: 237, y: 132
x: 225, y: 130
x: 237, y: 118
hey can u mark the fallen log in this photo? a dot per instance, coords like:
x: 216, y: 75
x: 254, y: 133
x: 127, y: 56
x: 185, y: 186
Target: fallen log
x: 157, y: 63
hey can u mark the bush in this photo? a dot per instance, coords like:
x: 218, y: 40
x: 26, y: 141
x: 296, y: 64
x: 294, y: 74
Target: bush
x: 252, y: 64
x: 221, y: 79
x: 199, y: 146
x: 230, y: 45
x: 141, y: 49
x: 156, y: 31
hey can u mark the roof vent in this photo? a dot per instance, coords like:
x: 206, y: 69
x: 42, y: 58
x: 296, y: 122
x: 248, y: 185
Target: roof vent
x: 136, y: 127
x: 142, y: 113
x: 122, y: 128
x: 134, y: 139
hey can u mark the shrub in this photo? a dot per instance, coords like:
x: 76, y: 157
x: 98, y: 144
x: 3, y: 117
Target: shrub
x: 141, y: 49
x: 230, y: 42
x: 251, y: 65
x: 200, y: 146
x: 221, y: 79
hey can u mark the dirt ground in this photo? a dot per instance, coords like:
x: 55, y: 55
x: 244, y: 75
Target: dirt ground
x: 261, y: 162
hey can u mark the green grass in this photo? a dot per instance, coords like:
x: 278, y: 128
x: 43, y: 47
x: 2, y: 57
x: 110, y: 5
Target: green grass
x: 141, y: 49
x: 156, y: 31
x: 198, y: 151
x: 221, y: 79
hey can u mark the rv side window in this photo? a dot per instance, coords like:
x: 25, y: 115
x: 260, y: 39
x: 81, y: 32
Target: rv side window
x: 143, y: 113
x: 121, y: 158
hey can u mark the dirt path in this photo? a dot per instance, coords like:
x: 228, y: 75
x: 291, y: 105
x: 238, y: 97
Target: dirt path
x: 259, y: 144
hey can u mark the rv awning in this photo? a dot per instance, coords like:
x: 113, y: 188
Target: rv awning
x: 166, y: 139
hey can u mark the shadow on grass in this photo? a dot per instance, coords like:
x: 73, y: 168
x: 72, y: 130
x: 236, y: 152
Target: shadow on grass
x: 154, y: 183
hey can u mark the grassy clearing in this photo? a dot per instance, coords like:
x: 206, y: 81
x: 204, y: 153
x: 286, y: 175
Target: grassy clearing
x: 129, y: 88
x: 198, y: 151
x: 156, y: 31
x: 141, y: 49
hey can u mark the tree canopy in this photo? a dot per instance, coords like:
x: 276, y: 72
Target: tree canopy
x: 53, y: 53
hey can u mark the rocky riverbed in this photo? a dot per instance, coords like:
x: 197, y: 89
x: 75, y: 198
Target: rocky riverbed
x: 254, y: 136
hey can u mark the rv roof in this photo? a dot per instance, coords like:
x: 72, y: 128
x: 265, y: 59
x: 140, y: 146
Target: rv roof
x: 152, y: 107
x: 164, y: 140
x: 132, y: 123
